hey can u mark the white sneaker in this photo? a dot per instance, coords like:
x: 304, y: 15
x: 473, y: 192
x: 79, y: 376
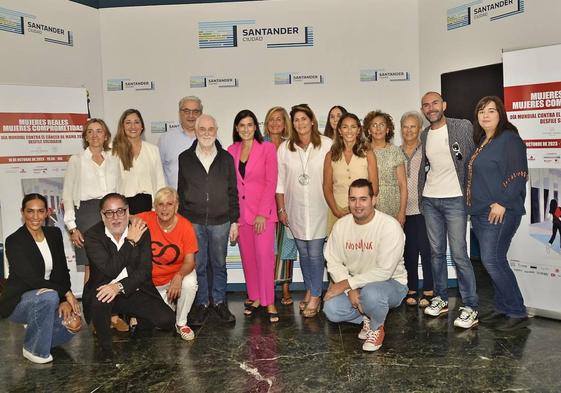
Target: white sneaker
x: 36, y: 359
x: 437, y: 306
x: 374, y: 340
x: 363, y: 334
x: 185, y: 332
x: 467, y: 318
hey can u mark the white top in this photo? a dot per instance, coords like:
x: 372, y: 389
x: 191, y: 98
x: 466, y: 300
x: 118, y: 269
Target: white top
x: 305, y: 205
x: 119, y: 244
x: 366, y: 253
x: 85, y: 180
x: 204, y: 158
x: 442, y: 179
x: 47, y: 257
x: 146, y: 175
x: 171, y: 145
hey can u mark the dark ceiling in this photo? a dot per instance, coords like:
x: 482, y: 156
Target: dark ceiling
x: 137, y: 3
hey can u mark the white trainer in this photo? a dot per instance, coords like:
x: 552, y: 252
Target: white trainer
x: 467, y: 318
x: 36, y: 359
x: 436, y: 307
x: 363, y: 334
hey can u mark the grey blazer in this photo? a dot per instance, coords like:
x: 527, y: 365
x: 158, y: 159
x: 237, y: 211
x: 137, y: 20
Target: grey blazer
x: 460, y: 134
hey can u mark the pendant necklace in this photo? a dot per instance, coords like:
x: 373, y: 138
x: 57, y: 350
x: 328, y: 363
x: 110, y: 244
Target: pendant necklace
x: 304, y: 178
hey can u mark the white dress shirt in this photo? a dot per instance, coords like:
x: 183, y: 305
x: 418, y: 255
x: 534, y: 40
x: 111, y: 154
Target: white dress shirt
x: 304, y: 204
x: 146, y: 175
x: 85, y: 179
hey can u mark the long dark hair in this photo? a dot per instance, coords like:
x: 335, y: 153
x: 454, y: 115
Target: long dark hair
x: 329, y: 131
x: 359, y: 148
x: 239, y: 117
x: 122, y: 147
x: 504, y: 124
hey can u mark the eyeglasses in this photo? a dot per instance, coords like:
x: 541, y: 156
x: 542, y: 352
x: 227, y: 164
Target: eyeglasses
x: 377, y: 125
x: 457, y: 152
x: 120, y: 212
x: 191, y: 111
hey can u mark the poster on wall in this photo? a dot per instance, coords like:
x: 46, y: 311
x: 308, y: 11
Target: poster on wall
x: 40, y: 128
x: 532, y: 80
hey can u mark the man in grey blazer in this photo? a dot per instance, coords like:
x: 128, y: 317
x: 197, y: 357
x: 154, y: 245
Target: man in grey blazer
x: 447, y: 146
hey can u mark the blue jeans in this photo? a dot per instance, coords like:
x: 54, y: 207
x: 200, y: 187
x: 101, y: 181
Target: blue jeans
x: 494, y: 241
x: 213, y: 246
x: 44, y: 327
x: 312, y: 264
x: 376, y: 299
x: 447, y: 217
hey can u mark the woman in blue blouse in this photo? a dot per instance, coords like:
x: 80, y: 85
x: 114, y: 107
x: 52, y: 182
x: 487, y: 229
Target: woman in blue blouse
x: 496, y: 189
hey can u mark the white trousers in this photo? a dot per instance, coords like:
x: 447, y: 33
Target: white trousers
x: 185, y: 301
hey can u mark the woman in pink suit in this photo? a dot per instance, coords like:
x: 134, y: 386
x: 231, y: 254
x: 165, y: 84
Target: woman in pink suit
x: 256, y: 172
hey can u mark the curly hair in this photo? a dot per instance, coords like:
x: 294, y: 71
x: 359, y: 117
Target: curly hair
x: 369, y: 118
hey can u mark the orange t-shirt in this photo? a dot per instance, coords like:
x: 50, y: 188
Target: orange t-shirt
x: 169, y: 249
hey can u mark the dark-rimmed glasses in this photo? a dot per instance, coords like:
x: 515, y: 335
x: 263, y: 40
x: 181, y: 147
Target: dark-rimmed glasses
x: 120, y: 212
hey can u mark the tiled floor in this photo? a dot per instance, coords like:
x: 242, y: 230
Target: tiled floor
x: 420, y: 354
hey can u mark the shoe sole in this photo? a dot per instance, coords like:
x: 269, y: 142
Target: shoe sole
x: 476, y: 322
x: 373, y: 349
x: 443, y: 311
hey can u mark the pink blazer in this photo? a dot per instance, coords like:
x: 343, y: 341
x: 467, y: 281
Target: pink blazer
x: 256, y: 192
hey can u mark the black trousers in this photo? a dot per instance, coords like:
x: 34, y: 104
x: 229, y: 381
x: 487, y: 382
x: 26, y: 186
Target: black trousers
x: 554, y: 229
x: 149, y: 310
x: 417, y: 242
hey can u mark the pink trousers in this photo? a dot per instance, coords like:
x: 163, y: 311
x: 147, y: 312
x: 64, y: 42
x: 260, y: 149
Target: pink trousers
x: 258, y: 260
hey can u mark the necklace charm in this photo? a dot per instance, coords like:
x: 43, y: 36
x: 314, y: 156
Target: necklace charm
x: 304, y: 179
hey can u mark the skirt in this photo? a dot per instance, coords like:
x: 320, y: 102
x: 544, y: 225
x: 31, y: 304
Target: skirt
x: 87, y: 215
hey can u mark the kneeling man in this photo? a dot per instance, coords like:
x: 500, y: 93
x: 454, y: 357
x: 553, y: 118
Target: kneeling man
x: 120, y: 273
x: 364, y: 256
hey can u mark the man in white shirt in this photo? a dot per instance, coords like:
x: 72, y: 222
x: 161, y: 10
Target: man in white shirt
x: 120, y: 258
x: 447, y: 146
x: 178, y: 139
x: 364, y: 256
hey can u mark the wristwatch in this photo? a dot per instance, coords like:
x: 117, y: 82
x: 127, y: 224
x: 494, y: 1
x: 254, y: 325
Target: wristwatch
x: 132, y: 242
x: 121, y: 287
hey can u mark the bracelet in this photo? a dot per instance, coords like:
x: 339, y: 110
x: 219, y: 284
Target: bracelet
x: 71, y: 231
x: 132, y: 242
x: 281, y: 210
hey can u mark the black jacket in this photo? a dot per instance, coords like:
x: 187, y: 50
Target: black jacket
x: 208, y: 198
x: 106, y: 262
x: 27, y: 267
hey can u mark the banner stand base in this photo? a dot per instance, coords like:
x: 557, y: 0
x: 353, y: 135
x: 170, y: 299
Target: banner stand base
x: 538, y: 312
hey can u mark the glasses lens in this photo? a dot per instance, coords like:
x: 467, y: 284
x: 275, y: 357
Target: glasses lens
x: 120, y: 212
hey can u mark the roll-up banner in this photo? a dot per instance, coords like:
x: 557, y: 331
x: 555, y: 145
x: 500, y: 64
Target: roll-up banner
x: 40, y: 128
x: 532, y: 80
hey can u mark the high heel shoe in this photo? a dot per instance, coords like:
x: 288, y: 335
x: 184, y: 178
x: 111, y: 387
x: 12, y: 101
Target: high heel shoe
x: 311, y: 312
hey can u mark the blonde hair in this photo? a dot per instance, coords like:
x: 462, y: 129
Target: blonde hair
x: 287, y: 132
x: 165, y: 192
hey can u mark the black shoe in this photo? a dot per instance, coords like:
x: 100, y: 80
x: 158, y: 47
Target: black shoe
x: 197, y: 315
x: 105, y: 353
x: 511, y: 324
x: 491, y: 318
x: 221, y: 309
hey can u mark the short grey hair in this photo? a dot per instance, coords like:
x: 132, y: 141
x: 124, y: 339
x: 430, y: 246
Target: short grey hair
x: 412, y: 114
x: 191, y: 98
x: 205, y: 116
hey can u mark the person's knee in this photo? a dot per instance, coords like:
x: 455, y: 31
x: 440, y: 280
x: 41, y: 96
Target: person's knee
x: 332, y: 311
x: 189, y: 283
x: 48, y: 297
